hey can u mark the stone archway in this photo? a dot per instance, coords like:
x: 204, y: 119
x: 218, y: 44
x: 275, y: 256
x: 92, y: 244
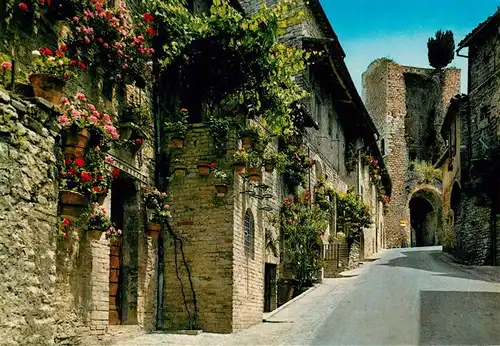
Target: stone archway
x: 426, y: 211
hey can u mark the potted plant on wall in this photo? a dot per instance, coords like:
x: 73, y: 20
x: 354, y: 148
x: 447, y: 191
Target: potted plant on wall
x: 204, y: 167
x: 157, y: 210
x: 249, y: 136
x: 179, y: 167
x: 177, y: 129
x: 82, y: 123
x: 132, y: 119
x: 240, y: 159
x: 51, y: 71
x: 254, y: 167
x: 97, y: 223
x: 273, y: 160
x: 222, y: 182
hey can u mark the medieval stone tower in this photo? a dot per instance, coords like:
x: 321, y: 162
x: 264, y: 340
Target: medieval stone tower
x: 408, y: 106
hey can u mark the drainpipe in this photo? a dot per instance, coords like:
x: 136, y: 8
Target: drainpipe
x: 160, y: 254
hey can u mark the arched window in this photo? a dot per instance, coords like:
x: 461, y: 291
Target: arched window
x: 249, y: 229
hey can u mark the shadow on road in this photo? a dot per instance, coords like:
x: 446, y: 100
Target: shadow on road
x: 459, y: 318
x: 434, y: 261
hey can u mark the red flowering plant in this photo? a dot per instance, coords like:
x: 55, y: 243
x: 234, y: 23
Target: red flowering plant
x: 64, y: 227
x: 104, y: 36
x: 302, y: 225
x: 156, y: 203
x: 83, y: 115
x: 53, y: 62
x: 89, y: 175
x: 96, y: 219
x: 25, y: 11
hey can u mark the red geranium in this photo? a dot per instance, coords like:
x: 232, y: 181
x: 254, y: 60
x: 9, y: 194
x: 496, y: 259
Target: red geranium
x: 80, y: 162
x: 23, y: 6
x: 148, y: 18
x: 115, y: 173
x: 151, y: 31
x: 86, y: 177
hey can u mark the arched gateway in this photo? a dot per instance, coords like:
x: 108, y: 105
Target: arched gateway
x: 426, y: 212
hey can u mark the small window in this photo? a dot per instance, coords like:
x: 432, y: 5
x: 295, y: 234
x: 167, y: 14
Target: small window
x: 249, y: 229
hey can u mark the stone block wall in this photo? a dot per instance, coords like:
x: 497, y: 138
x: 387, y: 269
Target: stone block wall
x: 395, y: 97
x: 28, y: 219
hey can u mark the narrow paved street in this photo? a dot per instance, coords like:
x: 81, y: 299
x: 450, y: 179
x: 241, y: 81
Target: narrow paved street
x: 406, y: 297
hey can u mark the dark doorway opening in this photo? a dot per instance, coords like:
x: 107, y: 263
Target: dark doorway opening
x: 270, y: 288
x: 422, y: 224
x: 123, y: 279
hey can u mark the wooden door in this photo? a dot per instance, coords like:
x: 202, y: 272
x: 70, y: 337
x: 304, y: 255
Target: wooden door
x: 114, y: 287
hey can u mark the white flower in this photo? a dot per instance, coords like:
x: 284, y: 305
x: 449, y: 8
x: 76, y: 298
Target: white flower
x: 36, y: 53
x: 60, y: 62
x: 51, y: 58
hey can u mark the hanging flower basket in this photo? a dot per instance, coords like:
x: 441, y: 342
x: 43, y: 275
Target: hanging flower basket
x: 93, y: 234
x: 48, y: 87
x: 269, y: 167
x: 203, y: 168
x: 153, y: 230
x: 240, y: 167
x: 75, y: 142
x: 255, y: 174
x: 221, y: 190
x: 247, y: 142
x: 177, y: 143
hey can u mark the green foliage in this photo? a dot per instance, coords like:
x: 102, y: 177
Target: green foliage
x: 219, y: 130
x: 240, y: 156
x: 302, y: 224
x: 137, y: 114
x: 441, y: 49
x: 426, y: 173
x: 351, y: 211
x: 297, y: 165
x: 250, y: 72
x: 221, y: 176
x: 178, y: 127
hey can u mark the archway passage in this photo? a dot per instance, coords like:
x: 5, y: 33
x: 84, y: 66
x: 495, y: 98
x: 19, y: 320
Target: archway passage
x: 426, y: 217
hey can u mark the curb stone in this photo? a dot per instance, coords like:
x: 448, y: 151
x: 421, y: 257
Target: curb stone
x: 272, y: 313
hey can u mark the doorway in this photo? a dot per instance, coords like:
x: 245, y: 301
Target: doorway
x: 123, y: 274
x: 270, y: 287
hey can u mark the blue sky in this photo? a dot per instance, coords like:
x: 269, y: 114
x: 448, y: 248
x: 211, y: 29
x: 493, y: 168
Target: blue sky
x: 399, y: 29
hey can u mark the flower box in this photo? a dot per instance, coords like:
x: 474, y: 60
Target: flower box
x: 203, y: 168
x: 153, y: 230
x: 75, y: 142
x: 177, y: 143
x: 93, y: 234
x: 48, y: 87
x: 180, y: 170
x: 221, y: 190
x: 255, y: 174
x: 240, y: 167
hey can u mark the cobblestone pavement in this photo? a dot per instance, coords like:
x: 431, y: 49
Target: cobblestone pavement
x: 407, y: 297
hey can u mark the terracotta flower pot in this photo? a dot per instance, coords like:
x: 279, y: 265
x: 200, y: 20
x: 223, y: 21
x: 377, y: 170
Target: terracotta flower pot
x: 203, y: 168
x: 72, y: 198
x: 75, y: 142
x: 153, y: 230
x: 48, y: 87
x: 240, y: 167
x: 72, y: 203
x: 177, y: 143
x: 221, y: 190
x: 180, y: 171
x: 93, y: 234
x: 255, y: 174
x: 269, y: 167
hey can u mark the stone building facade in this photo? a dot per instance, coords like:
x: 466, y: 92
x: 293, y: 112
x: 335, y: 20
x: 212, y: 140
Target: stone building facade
x: 408, y: 106
x: 230, y: 284
x: 81, y: 290
x: 471, y: 200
